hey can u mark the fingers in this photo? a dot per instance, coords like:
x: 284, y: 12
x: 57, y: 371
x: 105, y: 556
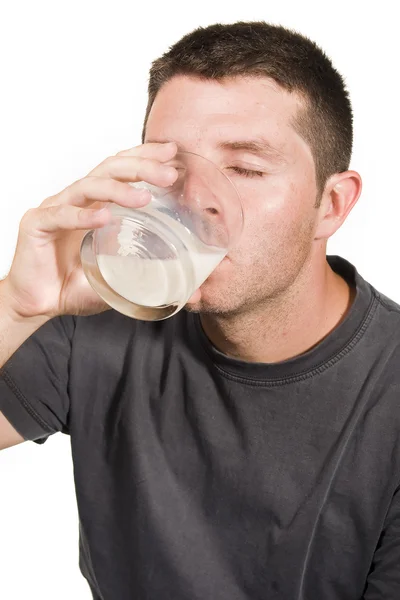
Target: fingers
x: 40, y: 222
x: 141, y: 163
x: 156, y: 151
x: 109, y: 180
x: 97, y: 189
x: 130, y: 168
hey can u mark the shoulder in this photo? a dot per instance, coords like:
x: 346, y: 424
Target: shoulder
x: 377, y: 308
x: 388, y: 305
x: 386, y: 317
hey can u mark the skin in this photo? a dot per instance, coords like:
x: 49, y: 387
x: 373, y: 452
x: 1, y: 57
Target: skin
x: 273, y: 297
x: 46, y: 277
x: 276, y: 281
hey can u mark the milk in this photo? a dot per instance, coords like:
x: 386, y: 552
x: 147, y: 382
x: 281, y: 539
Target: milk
x: 152, y: 281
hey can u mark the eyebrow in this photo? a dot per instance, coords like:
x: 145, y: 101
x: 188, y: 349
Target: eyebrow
x: 258, y: 146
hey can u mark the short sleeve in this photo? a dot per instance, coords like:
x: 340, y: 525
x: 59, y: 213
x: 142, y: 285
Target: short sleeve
x: 34, y: 382
x: 384, y: 578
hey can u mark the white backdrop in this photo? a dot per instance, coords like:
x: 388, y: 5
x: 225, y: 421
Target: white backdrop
x: 73, y: 79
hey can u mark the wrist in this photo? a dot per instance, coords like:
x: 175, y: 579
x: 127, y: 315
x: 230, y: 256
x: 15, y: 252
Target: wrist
x: 11, y: 309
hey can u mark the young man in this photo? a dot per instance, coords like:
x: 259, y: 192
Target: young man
x: 249, y: 446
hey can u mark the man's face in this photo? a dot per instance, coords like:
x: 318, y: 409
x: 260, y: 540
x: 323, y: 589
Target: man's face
x: 275, y: 179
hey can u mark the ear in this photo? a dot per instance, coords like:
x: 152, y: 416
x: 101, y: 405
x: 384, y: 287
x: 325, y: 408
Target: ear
x: 339, y: 197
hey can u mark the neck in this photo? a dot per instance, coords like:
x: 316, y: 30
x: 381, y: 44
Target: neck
x: 288, y: 325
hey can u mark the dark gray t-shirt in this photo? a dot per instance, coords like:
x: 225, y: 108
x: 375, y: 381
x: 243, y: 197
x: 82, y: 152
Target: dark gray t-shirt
x: 201, y: 477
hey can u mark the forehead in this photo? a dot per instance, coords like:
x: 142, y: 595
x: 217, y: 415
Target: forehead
x: 188, y: 109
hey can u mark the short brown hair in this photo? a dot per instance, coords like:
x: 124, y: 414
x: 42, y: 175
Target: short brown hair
x: 293, y: 61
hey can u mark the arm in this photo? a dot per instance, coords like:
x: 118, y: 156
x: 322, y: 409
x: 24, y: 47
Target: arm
x: 46, y: 281
x: 13, y: 332
x: 383, y: 581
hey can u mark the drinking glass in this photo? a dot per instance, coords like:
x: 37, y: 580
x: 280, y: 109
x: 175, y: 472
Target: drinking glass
x: 147, y: 262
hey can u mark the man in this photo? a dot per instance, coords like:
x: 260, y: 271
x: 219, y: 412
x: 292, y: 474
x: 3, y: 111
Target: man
x: 249, y: 446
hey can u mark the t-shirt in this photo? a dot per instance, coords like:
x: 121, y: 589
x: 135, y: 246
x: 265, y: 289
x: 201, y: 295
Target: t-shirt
x: 203, y: 477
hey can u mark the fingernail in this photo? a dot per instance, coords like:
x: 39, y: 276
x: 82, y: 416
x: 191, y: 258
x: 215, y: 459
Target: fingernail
x: 143, y: 196
x: 171, y: 173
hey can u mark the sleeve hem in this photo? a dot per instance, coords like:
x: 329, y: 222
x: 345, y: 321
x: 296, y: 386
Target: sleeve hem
x: 19, y: 412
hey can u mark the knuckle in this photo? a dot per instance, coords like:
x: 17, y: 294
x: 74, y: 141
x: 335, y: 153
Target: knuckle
x: 67, y: 192
x: 28, y: 219
x: 81, y: 187
x: 59, y: 212
x: 81, y: 215
x: 83, y: 184
x: 69, y: 187
x: 124, y: 166
x: 109, y: 166
x: 113, y: 186
x: 79, y: 183
x: 55, y: 214
x: 148, y: 163
x: 111, y: 159
x: 92, y: 184
x: 49, y: 201
x: 100, y: 167
x: 126, y: 152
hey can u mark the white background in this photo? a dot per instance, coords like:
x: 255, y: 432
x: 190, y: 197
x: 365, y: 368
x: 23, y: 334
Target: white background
x: 73, y: 79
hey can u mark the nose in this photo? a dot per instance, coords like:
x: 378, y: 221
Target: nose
x: 198, y: 194
x: 203, y: 209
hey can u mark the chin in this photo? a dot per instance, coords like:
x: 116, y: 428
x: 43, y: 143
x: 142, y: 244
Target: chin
x: 209, y: 300
x: 215, y: 295
x: 201, y: 302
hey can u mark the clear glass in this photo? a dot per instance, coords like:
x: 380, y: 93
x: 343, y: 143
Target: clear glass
x: 147, y: 262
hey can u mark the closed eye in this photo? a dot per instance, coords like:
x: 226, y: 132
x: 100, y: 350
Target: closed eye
x: 247, y: 172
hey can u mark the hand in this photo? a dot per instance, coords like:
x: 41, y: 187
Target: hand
x: 46, y: 277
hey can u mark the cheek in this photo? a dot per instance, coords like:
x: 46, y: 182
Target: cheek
x: 277, y: 214
x: 273, y: 204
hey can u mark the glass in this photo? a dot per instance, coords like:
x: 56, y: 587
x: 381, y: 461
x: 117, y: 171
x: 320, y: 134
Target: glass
x: 147, y: 262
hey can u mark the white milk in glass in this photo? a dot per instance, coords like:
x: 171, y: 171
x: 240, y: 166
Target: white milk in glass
x: 153, y: 282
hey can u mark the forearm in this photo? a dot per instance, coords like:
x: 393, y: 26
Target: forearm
x: 14, y: 329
